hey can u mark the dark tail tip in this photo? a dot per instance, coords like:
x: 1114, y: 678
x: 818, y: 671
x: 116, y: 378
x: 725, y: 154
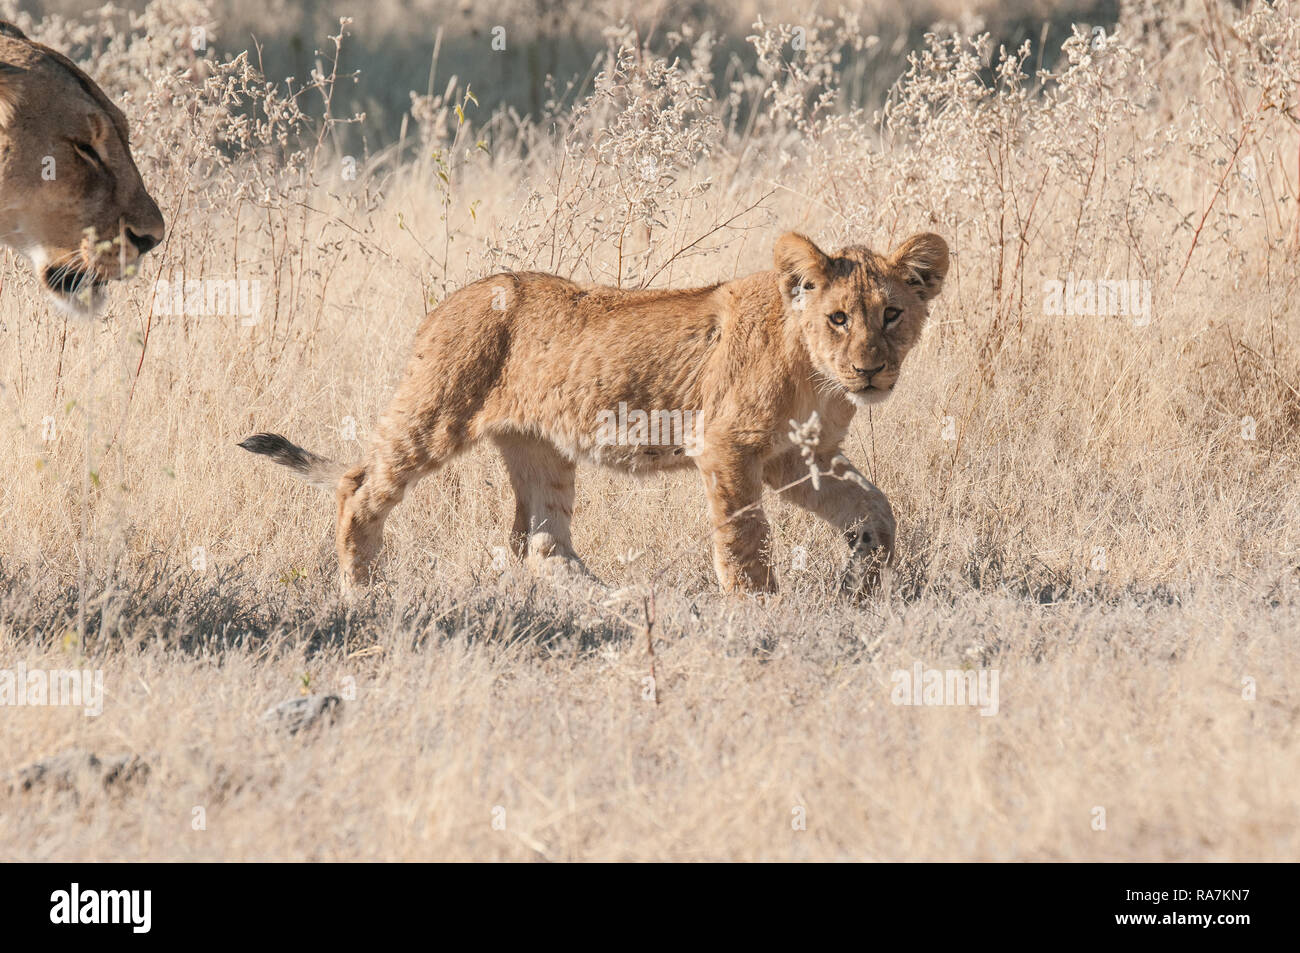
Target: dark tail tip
x: 316, y: 470
x: 283, y: 452
x: 269, y: 444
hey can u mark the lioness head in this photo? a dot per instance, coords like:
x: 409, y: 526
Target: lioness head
x: 71, y: 198
x: 860, y: 313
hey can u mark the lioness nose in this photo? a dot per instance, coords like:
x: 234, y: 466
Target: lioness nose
x: 868, y: 372
x: 143, y: 243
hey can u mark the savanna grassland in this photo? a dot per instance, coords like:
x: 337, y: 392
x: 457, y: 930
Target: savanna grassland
x: 1099, y: 505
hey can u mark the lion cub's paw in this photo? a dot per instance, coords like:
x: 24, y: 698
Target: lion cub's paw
x: 870, y: 551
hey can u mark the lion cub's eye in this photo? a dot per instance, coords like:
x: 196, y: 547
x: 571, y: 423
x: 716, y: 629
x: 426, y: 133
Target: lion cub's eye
x: 892, y: 315
x: 839, y: 319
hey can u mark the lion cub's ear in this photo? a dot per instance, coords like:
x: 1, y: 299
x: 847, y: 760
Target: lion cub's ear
x: 924, y: 257
x: 799, y: 261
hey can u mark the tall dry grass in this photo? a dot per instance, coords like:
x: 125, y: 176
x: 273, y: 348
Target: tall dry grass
x: 1101, y: 508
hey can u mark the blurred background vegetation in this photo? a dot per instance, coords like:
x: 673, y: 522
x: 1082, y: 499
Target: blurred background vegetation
x: 555, y: 48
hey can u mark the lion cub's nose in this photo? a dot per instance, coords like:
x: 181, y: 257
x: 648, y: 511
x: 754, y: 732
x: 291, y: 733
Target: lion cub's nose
x: 868, y: 372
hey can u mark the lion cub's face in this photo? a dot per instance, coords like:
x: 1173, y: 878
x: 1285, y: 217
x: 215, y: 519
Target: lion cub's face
x: 860, y: 313
x: 71, y: 197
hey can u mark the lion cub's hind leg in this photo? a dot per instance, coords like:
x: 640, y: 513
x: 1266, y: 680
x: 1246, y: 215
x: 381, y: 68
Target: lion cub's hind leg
x: 542, y: 479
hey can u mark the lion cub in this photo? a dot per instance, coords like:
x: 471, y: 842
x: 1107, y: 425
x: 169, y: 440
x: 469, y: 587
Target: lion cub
x: 554, y: 372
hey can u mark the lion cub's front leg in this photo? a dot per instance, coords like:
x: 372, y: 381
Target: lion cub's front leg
x: 849, y: 502
x: 734, y: 487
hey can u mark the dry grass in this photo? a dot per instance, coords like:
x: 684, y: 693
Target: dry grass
x: 1098, y: 532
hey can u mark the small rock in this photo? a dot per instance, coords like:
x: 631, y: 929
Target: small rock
x: 298, y: 714
x: 62, y: 772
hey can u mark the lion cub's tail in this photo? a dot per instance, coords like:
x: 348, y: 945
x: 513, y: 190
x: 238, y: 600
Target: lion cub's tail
x: 309, y: 467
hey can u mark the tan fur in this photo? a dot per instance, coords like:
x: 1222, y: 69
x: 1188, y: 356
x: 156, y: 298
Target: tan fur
x: 530, y: 362
x: 93, y: 219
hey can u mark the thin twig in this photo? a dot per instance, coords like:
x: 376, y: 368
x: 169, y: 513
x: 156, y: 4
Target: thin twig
x: 1196, y: 237
x: 717, y: 228
x: 648, y: 603
x: 1269, y: 367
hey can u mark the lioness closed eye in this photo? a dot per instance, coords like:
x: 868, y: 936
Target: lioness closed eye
x: 71, y: 198
x: 554, y: 372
